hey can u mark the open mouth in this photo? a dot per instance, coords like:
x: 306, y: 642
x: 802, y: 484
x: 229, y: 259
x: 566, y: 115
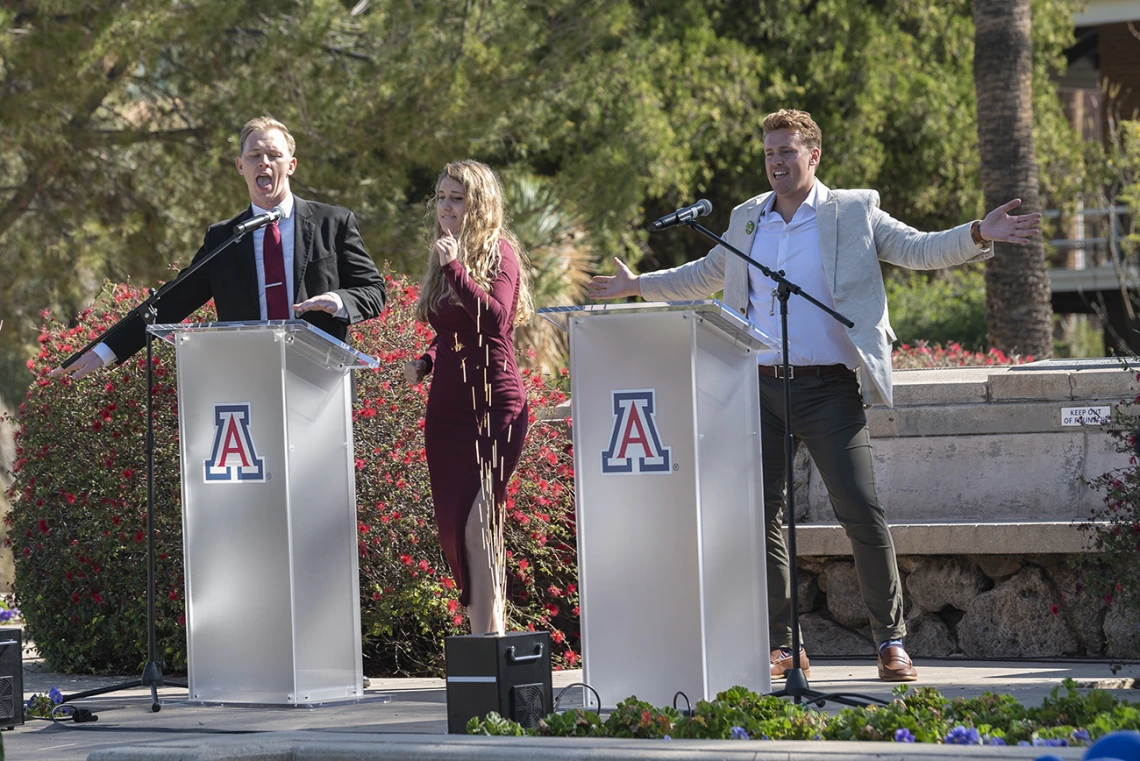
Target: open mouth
x: 779, y: 174
x: 264, y: 182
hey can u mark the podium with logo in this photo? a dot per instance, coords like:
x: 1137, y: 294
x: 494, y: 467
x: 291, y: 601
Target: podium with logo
x: 268, y: 512
x: 666, y: 427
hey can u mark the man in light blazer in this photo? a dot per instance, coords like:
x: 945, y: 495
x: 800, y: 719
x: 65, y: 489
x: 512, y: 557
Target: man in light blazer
x: 830, y: 243
x: 312, y: 263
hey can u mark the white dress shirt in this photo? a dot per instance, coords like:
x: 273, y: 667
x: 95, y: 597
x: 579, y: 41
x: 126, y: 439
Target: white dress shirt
x: 815, y: 338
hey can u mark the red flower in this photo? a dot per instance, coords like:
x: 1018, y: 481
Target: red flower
x: 406, y: 559
x: 452, y: 606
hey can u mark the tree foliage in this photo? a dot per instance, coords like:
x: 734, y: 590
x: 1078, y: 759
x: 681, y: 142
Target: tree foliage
x: 118, y: 118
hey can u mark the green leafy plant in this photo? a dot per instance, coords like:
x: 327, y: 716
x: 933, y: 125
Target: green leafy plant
x: 1067, y: 717
x: 1113, y: 528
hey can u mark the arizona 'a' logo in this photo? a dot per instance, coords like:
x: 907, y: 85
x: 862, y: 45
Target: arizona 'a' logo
x: 233, y: 458
x: 635, y: 444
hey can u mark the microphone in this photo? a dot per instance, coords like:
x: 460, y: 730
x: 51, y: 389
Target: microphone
x: 254, y: 223
x: 682, y: 216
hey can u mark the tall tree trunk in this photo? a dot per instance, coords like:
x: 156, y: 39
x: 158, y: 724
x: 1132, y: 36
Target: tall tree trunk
x: 1019, y: 315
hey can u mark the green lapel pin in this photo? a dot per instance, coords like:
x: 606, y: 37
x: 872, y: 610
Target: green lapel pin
x: 750, y: 228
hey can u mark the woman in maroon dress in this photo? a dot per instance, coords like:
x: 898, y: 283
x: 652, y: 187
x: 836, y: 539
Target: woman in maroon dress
x: 475, y: 291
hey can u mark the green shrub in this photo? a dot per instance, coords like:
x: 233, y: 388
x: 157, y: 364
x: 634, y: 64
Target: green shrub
x: 939, y: 307
x: 77, y: 526
x: 924, y: 715
x: 1113, y: 528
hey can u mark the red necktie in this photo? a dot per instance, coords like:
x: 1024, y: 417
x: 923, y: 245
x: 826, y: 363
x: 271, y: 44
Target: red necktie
x: 276, y: 297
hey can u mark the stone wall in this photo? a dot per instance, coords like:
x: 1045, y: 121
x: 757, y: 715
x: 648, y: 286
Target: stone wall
x: 983, y: 481
x: 1004, y: 606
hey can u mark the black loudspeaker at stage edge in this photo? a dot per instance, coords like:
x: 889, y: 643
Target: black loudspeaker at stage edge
x: 11, y: 678
x: 508, y: 674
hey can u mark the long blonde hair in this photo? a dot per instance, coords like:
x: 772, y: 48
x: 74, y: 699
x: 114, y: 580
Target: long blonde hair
x: 484, y: 225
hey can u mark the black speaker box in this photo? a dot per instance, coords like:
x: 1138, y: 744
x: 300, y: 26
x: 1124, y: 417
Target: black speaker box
x: 11, y: 678
x: 509, y: 675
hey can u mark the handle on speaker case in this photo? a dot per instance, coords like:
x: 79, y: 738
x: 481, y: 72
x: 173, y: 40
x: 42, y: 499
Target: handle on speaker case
x: 512, y: 658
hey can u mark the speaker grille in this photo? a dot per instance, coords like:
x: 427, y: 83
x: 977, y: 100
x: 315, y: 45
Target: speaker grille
x: 7, y: 698
x: 527, y: 704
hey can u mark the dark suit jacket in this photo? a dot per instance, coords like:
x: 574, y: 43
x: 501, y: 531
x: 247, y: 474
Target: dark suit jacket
x: 328, y: 255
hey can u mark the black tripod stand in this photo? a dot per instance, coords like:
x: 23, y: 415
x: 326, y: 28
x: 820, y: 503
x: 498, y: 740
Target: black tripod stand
x: 796, y: 686
x: 147, y: 311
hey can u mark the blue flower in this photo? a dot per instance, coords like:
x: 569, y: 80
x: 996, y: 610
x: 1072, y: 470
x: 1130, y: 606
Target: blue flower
x: 1059, y: 742
x: 903, y: 735
x: 739, y: 733
x: 666, y: 737
x: 960, y: 735
x: 991, y: 740
x: 1080, y: 735
x: 55, y: 695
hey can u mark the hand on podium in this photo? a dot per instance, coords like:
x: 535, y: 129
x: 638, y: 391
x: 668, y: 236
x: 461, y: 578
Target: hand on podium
x: 327, y: 302
x: 618, y: 286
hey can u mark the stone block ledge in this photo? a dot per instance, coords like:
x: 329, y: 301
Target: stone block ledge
x: 1046, y: 538
x: 1049, y: 380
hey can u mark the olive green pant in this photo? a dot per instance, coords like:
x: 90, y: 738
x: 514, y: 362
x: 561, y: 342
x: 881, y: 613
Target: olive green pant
x: 828, y: 418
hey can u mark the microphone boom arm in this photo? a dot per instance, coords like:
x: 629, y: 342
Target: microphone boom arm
x: 149, y: 305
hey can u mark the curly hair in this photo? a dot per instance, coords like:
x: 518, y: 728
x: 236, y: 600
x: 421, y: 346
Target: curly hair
x: 484, y: 226
x: 797, y: 121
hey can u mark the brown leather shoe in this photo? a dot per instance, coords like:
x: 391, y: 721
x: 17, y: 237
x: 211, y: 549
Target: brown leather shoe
x: 781, y: 662
x: 895, y: 665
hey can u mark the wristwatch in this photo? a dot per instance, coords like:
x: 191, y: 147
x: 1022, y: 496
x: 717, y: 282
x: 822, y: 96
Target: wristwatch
x: 976, y: 233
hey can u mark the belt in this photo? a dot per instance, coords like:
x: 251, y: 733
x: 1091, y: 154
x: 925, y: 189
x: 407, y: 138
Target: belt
x: 803, y: 371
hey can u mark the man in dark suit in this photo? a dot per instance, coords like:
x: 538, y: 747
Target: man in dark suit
x: 312, y: 263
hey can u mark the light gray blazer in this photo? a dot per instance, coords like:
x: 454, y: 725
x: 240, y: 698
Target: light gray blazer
x: 851, y: 222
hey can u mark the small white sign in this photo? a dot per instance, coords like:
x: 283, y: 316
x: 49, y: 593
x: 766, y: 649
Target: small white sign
x: 1085, y: 415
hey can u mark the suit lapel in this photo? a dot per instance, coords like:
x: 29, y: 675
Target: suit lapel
x: 302, y: 245
x: 246, y: 264
x: 827, y: 225
x: 741, y: 234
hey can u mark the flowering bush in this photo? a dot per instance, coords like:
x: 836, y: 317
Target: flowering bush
x: 1113, y: 528
x: 77, y: 527
x: 78, y: 519
x: 923, y: 356
x: 923, y: 715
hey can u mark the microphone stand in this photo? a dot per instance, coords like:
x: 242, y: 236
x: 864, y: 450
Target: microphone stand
x: 796, y: 686
x: 147, y: 311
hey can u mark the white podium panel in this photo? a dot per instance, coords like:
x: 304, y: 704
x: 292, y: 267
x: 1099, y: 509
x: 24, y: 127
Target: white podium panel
x: 269, y: 513
x: 666, y: 425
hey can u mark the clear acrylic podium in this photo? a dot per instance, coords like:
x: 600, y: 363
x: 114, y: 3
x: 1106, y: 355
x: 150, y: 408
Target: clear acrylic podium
x: 268, y: 513
x: 666, y: 426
